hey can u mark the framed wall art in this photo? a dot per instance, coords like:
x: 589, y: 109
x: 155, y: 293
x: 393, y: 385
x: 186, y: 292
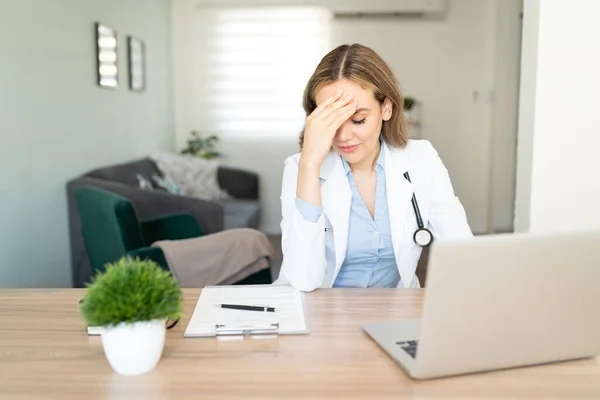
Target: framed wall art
x: 107, y: 71
x: 136, y: 50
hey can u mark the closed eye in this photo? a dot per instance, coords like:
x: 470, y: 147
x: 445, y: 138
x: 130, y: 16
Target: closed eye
x: 362, y: 121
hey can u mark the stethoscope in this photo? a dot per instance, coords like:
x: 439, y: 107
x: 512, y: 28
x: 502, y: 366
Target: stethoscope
x: 422, y: 236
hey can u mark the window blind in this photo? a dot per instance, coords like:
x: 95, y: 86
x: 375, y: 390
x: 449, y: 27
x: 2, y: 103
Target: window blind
x: 251, y: 67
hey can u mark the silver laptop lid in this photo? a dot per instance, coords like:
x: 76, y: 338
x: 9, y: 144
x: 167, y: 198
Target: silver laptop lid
x: 508, y: 300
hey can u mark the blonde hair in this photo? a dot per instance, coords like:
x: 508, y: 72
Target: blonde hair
x: 363, y: 66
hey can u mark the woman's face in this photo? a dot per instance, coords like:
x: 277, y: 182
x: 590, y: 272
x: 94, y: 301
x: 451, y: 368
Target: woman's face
x: 357, y: 139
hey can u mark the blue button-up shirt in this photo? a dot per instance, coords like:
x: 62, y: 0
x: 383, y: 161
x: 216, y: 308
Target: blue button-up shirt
x: 370, y: 260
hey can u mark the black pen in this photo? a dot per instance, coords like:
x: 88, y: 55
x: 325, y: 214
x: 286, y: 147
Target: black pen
x: 247, y: 308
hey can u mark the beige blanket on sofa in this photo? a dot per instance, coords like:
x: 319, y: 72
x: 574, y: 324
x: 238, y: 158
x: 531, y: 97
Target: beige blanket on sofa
x: 217, y: 259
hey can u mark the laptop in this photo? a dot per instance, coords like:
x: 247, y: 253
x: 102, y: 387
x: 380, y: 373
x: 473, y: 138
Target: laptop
x: 501, y: 301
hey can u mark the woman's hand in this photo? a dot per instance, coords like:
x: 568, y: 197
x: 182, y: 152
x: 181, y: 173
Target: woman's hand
x: 319, y: 131
x: 321, y: 126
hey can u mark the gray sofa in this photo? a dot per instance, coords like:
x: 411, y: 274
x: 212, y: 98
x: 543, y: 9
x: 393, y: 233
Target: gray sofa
x: 241, y: 212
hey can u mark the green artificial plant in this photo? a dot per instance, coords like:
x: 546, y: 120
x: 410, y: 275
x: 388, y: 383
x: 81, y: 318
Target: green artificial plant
x: 202, y: 147
x: 408, y: 103
x: 131, y: 290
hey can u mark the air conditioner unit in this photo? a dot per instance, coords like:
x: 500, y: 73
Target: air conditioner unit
x: 416, y: 8
x: 407, y: 8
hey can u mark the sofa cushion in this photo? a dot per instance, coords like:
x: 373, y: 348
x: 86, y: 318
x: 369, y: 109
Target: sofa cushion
x: 239, y: 183
x: 241, y: 213
x: 127, y: 173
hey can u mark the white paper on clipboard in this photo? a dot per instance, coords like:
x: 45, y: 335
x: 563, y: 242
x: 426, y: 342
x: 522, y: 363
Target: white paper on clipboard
x: 289, y: 316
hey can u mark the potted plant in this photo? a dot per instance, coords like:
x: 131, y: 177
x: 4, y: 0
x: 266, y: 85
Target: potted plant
x: 202, y: 147
x: 408, y: 103
x: 131, y: 301
x: 409, y: 109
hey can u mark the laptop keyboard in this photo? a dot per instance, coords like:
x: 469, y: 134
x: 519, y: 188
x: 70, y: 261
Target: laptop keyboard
x: 410, y: 346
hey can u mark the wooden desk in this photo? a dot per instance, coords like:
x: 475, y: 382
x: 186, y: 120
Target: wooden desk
x: 45, y: 353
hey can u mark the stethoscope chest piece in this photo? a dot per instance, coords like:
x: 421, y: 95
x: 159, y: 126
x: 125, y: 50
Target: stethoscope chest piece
x: 423, y: 237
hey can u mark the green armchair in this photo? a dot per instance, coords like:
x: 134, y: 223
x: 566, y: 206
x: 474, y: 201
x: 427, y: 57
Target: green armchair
x: 111, y: 229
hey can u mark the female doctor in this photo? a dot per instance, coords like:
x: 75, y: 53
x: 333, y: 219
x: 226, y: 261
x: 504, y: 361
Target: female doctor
x: 361, y: 201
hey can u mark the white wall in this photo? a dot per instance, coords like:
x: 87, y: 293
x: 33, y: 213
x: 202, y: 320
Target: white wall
x: 56, y: 123
x: 449, y: 65
x: 559, y: 168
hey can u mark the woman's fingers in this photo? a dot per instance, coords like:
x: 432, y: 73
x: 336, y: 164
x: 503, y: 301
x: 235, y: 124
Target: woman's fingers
x: 339, y: 116
x: 317, y: 111
x: 333, y: 108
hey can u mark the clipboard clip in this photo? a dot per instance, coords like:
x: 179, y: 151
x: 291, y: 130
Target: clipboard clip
x: 267, y: 329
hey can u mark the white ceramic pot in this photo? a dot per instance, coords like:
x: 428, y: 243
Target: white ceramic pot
x: 134, y: 349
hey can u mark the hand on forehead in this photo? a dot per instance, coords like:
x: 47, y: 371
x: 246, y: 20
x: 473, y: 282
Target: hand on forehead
x: 364, y: 97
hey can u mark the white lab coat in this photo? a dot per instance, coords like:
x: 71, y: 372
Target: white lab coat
x: 313, y: 256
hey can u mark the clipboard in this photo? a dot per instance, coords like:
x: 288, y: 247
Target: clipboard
x: 210, y: 320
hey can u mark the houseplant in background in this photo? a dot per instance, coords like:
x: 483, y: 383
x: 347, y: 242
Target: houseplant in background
x: 131, y: 301
x: 409, y: 103
x: 199, y: 146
